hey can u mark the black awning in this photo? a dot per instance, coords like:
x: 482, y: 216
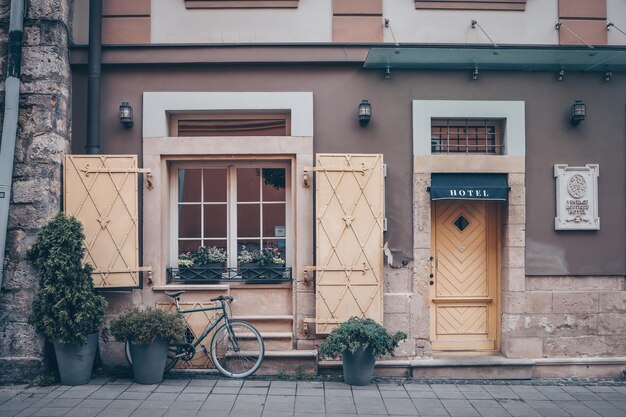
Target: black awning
x: 469, y: 187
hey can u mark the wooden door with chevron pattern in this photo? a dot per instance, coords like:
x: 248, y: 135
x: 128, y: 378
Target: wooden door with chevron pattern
x: 464, y: 285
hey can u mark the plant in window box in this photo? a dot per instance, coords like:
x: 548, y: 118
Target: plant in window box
x: 266, y: 263
x: 205, y: 264
x: 211, y: 259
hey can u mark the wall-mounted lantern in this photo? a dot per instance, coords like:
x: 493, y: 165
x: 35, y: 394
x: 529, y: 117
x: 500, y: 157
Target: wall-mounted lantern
x: 126, y: 115
x: 365, y: 112
x: 579, y: 112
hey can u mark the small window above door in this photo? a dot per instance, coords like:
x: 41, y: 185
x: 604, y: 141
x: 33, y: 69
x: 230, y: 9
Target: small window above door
x: 467, y: 136
x: 231, y: 124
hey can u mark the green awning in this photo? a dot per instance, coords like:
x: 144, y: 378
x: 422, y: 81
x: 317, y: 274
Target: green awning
x: 469, y: 187
x: 538, y: 58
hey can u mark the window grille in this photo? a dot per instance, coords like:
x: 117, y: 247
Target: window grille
x: 468, y: 136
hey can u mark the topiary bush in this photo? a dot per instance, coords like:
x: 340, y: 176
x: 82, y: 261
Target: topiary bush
x: 360, y: 333
x: 144, y: 326
x: 66, y: 308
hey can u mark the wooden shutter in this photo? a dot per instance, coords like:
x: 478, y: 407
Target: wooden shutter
x: 349, y: 238
x: 101, y: 191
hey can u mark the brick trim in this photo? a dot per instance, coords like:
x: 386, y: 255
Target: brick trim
x: 503, y: 5
x: 586, y: 18
x: 358, y: 21
x: 241, y: 4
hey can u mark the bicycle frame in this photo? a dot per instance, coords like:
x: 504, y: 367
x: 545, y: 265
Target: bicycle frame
x: 222, y: 316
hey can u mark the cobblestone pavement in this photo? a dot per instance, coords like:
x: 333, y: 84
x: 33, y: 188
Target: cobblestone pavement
x: 105, y: 397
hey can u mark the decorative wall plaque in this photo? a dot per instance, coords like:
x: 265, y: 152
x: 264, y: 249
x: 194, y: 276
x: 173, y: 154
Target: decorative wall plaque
x: 577, y: 197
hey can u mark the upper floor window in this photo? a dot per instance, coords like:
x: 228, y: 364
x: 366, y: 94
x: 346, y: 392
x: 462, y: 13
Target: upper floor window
x: 519, y: 5
x: 468, y: 136
x: 231, y: 124
x: 241, y: 4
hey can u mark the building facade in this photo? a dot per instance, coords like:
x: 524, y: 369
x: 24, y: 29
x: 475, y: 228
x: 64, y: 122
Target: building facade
x: 465, y: 211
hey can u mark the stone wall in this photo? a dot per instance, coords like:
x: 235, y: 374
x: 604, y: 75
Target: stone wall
x: 43, y: 139
x: 566, y: 317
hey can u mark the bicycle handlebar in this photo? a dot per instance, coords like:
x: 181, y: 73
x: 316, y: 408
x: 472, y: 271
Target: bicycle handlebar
x: 226, y: 298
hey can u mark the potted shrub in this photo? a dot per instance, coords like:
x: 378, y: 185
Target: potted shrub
x: 205, y: 263
x: 150, y: 332
x: 360, y: 341
x: 66, y: 308
x: 266, y: 263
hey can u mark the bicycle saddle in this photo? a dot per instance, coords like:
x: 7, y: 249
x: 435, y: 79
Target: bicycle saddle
x: 174, y: 294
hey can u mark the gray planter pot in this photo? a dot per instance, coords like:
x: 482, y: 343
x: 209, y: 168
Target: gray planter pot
x: 358, y: 367
x: 76, y: 360
x: 149, y: 361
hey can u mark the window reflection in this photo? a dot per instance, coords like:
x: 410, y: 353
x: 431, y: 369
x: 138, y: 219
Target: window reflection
x: 189, y: 221
x: 248, y: 220
x: 248, y: 183
x: 189, y: 185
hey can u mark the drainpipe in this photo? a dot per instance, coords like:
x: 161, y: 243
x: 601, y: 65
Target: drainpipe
x: 93, y: 86
x: 9, y: 127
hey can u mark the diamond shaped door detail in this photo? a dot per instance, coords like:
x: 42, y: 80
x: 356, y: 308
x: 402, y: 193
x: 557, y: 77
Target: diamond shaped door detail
x: 349, y: 245
x: 101, y: 192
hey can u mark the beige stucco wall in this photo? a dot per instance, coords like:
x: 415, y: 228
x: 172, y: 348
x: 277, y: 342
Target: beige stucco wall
x: 534, y: 26
x: 616, y: 13
x: 173, y: 23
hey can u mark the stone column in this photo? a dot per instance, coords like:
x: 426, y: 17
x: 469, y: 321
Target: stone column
x: 43, y: 138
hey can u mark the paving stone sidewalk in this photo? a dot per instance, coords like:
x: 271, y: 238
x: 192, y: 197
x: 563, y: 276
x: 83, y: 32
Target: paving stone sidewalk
x: 105, y: 397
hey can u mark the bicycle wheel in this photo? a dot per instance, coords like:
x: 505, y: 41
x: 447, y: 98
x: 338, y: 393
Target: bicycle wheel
x: 169, y: 362
x: 238, y: 351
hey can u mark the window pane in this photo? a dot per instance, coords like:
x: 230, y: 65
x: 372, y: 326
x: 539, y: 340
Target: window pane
x: 215, y: 220
x: 274, y: 220
x: 218, y: 243
x: 189, y: 182
x: 189, y: 220
x: 248, y: 220
x: 188, y: 246
x: 248, y: 183
x: 248, y: 244
x: 215, y: 185
x: 274, y: 184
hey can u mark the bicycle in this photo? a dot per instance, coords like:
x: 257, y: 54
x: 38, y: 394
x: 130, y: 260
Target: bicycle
x: 236, y: 348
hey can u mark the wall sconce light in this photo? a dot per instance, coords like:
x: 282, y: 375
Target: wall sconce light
x: 579, y: 111
x: 607, y: 76
x: 126, y: 115
x: 365, y: 113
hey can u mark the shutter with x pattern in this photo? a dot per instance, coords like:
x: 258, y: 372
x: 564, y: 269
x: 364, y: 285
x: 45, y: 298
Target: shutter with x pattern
x: 349, y: 238
x: 101, y: 192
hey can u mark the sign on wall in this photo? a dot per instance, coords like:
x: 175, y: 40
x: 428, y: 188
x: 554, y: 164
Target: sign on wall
x: 576, y: 197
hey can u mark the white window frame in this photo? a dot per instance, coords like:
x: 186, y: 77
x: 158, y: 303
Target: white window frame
x: 160, y: 151
x: 514, y: 139
x: 231, y: 230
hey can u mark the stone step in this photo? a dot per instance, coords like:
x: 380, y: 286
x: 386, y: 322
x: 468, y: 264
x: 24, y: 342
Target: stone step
x: 472, y: 367
x: 289, y: 362
x: 277, y: 341
x: 276, y: 363
x: 273, y: 323
x: 449, y: 367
